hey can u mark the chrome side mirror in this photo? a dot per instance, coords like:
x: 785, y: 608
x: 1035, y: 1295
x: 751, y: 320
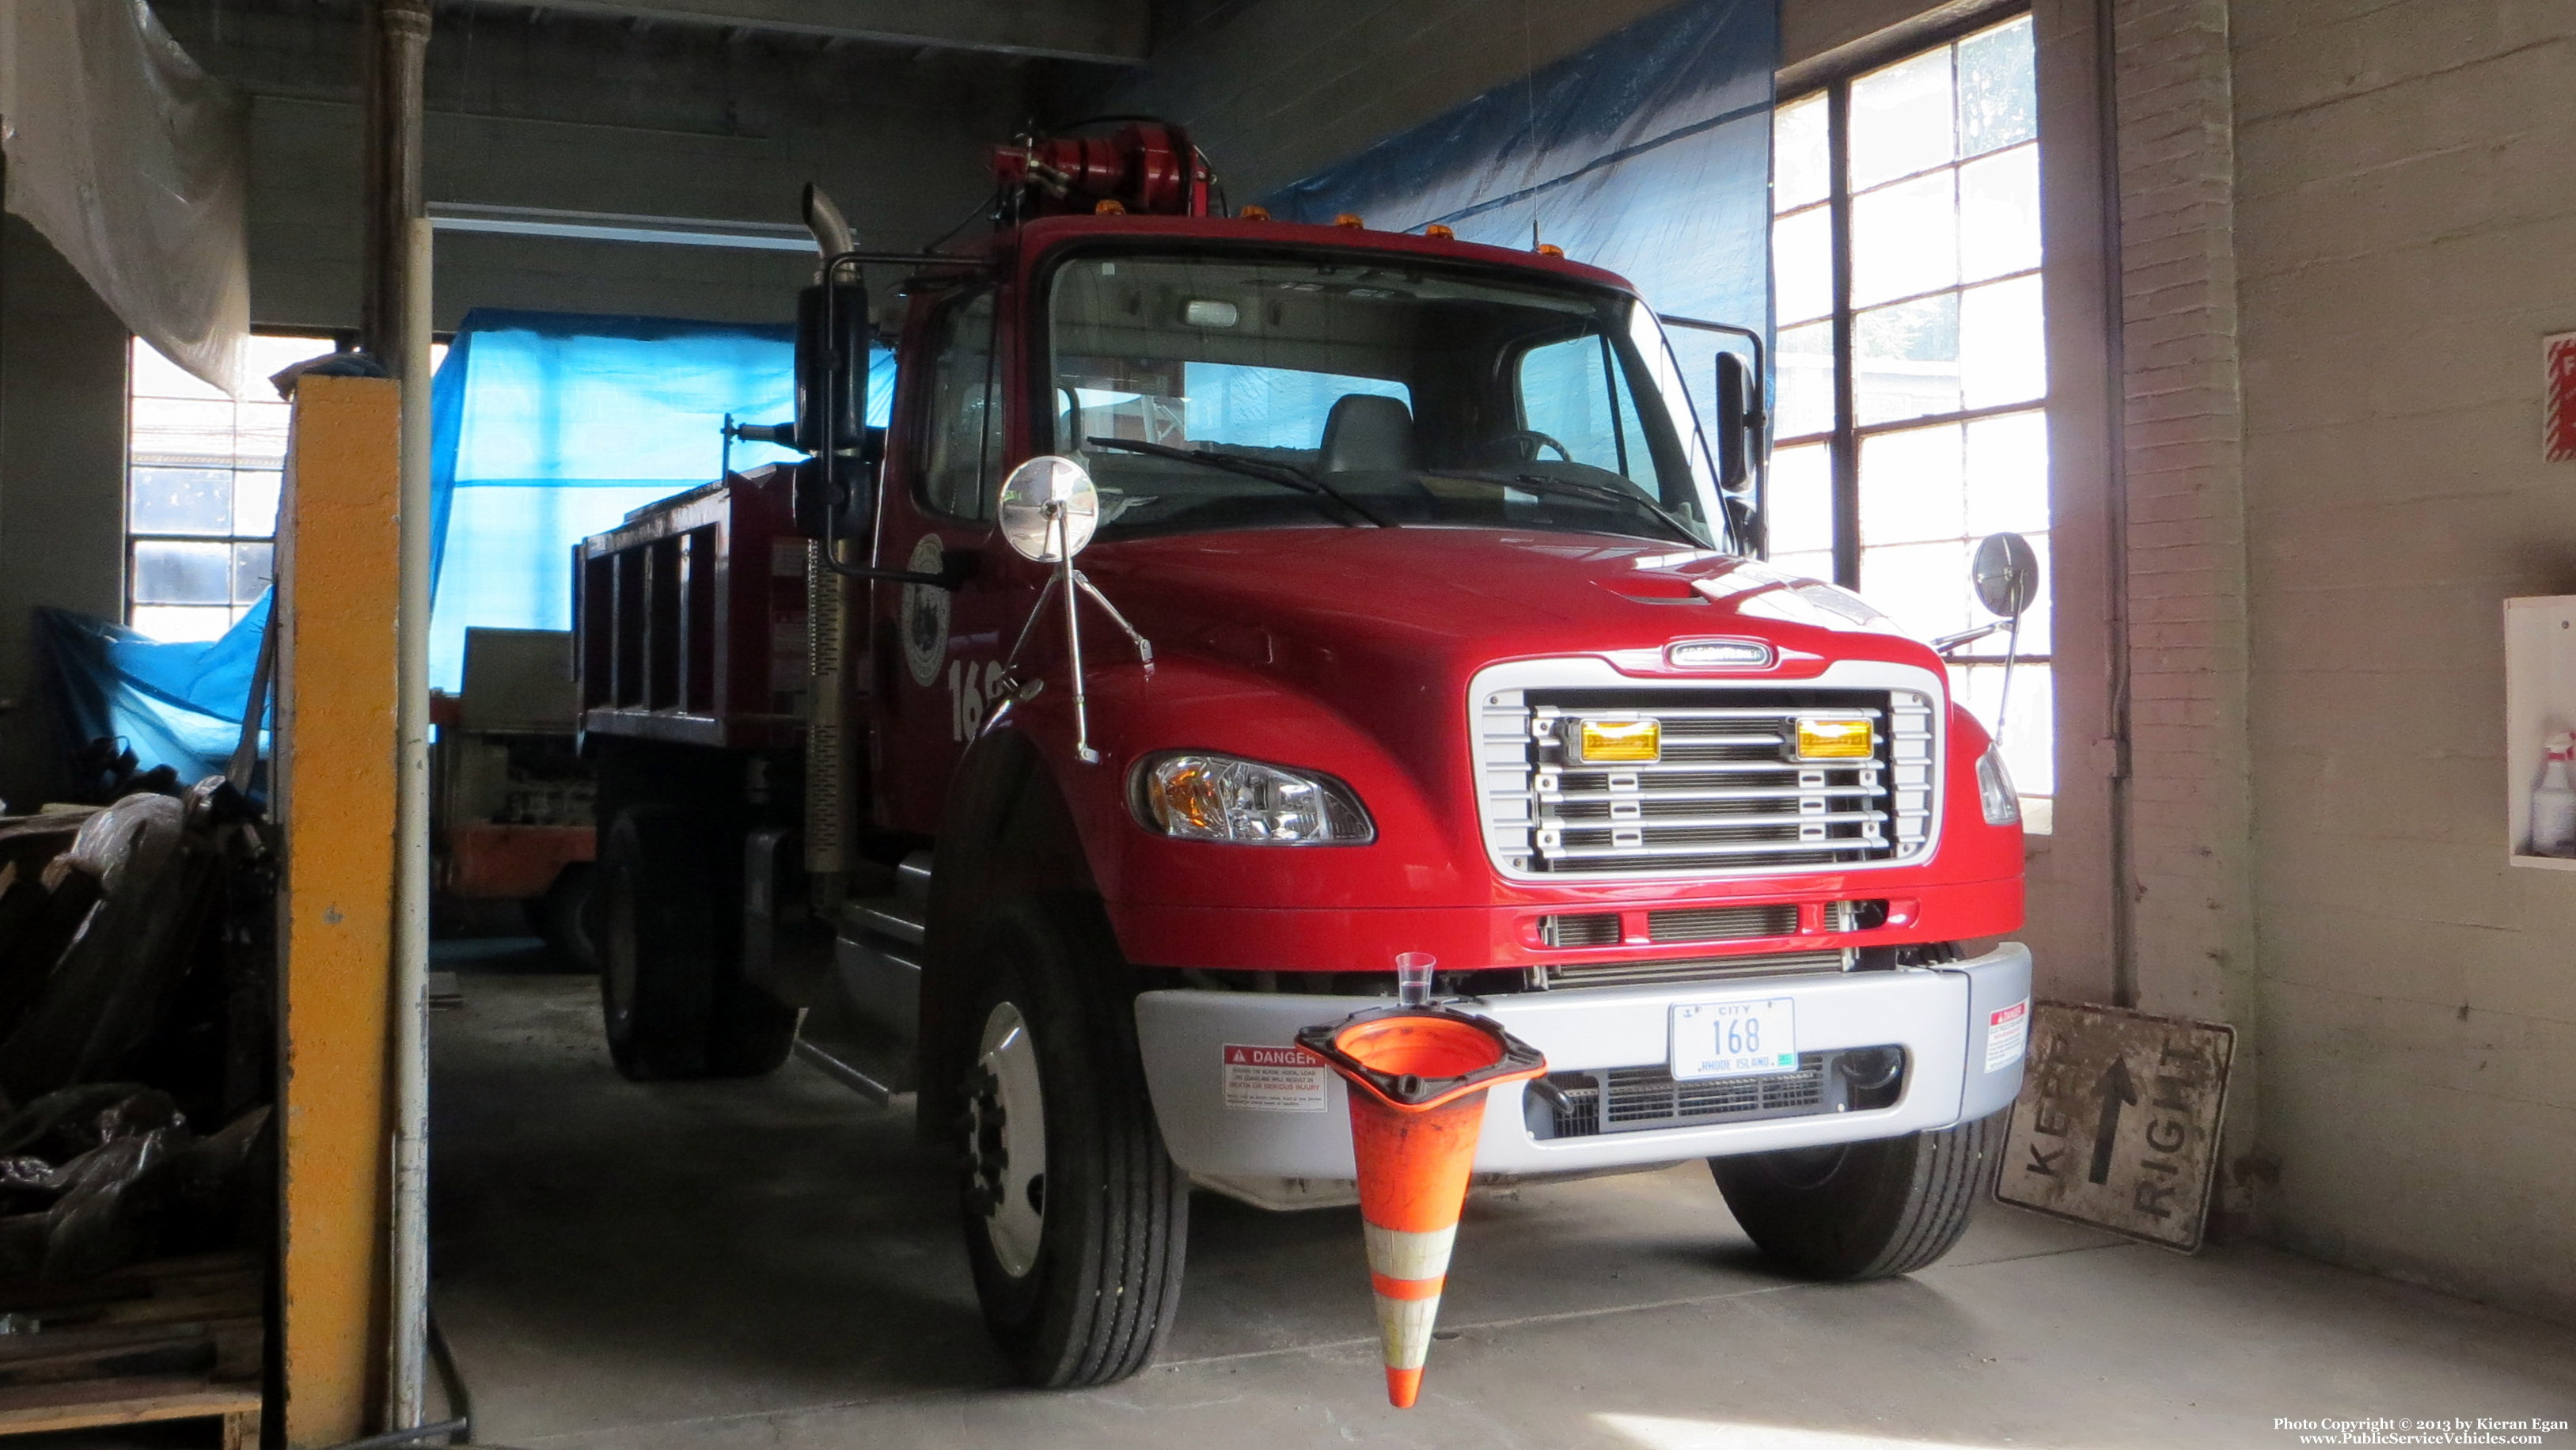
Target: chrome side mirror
x: 1049, y: 509
x: 2006, y: 572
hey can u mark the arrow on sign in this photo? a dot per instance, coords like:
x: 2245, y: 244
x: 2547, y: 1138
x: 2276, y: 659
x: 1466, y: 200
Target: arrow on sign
x: 2115, y: 1089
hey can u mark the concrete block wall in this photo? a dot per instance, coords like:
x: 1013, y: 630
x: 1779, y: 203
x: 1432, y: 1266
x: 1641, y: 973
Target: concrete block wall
x: 2405, y: 210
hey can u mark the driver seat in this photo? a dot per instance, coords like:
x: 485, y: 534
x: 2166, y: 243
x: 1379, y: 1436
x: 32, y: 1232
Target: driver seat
x: 1366, y: 433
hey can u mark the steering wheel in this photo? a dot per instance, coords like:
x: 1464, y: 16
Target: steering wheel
x: 1524, y: 444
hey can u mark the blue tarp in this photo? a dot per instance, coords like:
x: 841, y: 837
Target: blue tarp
x: 1648, y: 154
x: 178, y: 705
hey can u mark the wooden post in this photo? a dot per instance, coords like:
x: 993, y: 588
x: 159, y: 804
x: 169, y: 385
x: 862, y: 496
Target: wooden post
x: 334, y: 770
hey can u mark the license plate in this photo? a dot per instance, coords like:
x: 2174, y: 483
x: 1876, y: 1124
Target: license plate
x: 1735, y: 1039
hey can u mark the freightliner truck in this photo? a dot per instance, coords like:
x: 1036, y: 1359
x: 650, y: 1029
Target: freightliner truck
x: 1229, y: 607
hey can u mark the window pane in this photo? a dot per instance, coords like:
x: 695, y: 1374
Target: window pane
x: 174, y: 624
x: 1805, y: 357
x: 1998, y: 96
x: 2028, y: 750
x: 1800, y: 505
x: 1255, y: 407
x: 255, y: 502
x: 1905, y: 239
x: 2008, y: 474
x: 251, y: 570
x: 1905, y: 360
x: 155, y: 376
x: 1924, y: 586
x: 180, y: 501
x: 1999, y: 214
x: 1912, y: 489
x: 272, y: 354
x: 169, y: 431
x: 2003, y: 355
x: 1801, y: 169
x: 259, y: 431
x: 965, y: 447
x: 173, y: 573
x: 1570, y: 392
x: 1900, y: 119
x: 1802, y: 265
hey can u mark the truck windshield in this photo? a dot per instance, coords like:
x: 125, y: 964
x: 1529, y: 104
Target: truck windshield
x: 1364, y: 392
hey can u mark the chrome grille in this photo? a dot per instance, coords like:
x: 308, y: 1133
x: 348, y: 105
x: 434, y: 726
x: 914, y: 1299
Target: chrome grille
x: 1724, y: 796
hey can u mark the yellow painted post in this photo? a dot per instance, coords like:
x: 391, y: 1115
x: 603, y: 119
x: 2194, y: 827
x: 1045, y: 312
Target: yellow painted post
x: 335, y: 784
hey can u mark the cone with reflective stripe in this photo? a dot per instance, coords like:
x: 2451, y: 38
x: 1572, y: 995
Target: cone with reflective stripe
x: 1418, y: 1078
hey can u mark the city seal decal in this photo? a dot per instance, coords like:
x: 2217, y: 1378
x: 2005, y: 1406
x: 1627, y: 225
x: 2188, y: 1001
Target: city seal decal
x: 925, y: 615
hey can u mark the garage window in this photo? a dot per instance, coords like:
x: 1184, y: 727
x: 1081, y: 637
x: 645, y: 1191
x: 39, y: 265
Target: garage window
x: 1913, y: 372
x: 201, y: 483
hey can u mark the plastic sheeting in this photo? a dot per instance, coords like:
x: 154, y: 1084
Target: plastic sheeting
x: 174, y: 704
x: 135, y: 164
x: 1648, y: 154
x: 547, y: 427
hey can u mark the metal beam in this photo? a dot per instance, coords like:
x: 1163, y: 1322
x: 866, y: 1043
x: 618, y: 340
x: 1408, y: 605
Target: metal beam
x: 1113, y: 32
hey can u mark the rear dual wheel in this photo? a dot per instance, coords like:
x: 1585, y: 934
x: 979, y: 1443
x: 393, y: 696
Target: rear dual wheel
x: 672, y: 994
x: 1075, y: 1217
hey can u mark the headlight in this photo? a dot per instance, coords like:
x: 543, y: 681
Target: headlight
x: 1201, y: 797
x: 1995, y: 789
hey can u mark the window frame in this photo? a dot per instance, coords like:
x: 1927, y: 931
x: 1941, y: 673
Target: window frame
x: 1843, y: 440
x: 340, y: 340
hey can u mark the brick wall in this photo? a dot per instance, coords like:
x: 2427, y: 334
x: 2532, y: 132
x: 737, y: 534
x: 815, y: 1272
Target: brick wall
x: 2405, y: 220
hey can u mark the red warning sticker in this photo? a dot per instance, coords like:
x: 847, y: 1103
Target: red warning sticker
x: 2007, y: 1034
x: 1273, y: 1079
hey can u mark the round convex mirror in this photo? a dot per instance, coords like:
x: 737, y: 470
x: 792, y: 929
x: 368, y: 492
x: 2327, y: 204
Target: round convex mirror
x: 1042, y: 493
x: 2007, y: 574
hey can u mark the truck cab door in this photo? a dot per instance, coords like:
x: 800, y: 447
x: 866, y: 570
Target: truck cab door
x: 939, y: 652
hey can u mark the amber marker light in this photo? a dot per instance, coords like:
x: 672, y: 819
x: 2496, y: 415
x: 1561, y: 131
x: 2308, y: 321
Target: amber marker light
x: 1439, y: 233
x: 1349, y: 219
x: 1827, y: 738
x: 1251, y: 213
x: 1620, y: 742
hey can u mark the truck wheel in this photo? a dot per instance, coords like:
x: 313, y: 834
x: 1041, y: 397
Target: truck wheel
x: 1075, y: 1219
x: 564, y: 916
x: 670, y: 985
x: 1861, y: 1210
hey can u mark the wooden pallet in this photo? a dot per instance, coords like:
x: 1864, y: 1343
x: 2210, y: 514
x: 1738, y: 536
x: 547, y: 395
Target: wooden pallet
x: 176, y: 1339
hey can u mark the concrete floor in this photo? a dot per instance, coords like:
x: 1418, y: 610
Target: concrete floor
x: 773, y: 1264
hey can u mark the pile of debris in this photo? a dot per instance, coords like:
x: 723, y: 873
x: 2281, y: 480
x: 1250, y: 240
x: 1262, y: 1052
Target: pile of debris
x: 137, y: 950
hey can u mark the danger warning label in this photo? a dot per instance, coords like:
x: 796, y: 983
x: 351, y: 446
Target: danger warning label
x: 1273, y: 1079
x: 2007, y: 1034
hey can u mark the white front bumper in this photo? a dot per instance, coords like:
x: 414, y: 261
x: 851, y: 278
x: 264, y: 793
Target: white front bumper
x: 1940, y: 1015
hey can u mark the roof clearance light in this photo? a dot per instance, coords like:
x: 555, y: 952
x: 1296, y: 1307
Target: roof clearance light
x: 1718, y: 654
x: 1823, y: 738
x: 1110, y: 206
x: 1620, y: 742
x: 1439, y: 233
x: 1349, y: 219
x: 1253, y: 212
x: 1550, y: 249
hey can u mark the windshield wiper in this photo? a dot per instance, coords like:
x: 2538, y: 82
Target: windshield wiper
x: 1283, y: 474
x: 1607, y: 493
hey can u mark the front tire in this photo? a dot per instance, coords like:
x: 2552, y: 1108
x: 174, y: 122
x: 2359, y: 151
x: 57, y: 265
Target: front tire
x: 1075, y: 1218
x: 672, y: 996
x: 1861, y: 1210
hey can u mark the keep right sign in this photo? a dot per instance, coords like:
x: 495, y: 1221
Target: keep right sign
x: 2117, y: 1123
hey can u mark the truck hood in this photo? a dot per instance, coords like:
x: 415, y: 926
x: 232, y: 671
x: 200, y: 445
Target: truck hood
x: 1352, y: 615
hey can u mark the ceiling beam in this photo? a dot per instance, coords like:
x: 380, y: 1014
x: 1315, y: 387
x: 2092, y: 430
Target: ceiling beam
x: 1108, y: 31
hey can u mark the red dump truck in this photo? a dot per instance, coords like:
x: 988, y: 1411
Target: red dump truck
x: 1229, y: 607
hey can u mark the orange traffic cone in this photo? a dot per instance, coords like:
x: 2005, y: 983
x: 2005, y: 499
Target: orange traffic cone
x: 1418, y: 1077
